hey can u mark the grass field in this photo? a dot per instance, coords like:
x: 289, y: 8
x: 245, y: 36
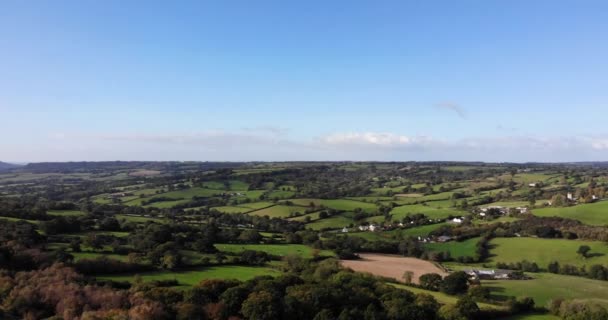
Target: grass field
x: 334, y: 222
x: 441, y: 297
x: 138, y: 219
x: 278, y: 211
x: 274, y: 249
x: 194, y: 276
x: 592, y: 213
x: 457, y: 249
x: 95, y: 255
x: 279, y: 194
x: 66, y: 213
x: 543, y: 251
x: 547, y: 286
x: 232, y: 209
x: 256, y: 205
x: 398, y: 234
x: 429, y: 210
x: 338, y: 204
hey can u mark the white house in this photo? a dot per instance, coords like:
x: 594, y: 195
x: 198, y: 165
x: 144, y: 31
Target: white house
x: 373, y: 227
x: 457, y: 220
x: 532, y: 185
x: 570, y: 196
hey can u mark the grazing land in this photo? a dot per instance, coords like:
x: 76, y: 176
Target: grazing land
x: 544, y: 251
x: 592, y: 214
x: 179, y: 229
x: 190, y: 277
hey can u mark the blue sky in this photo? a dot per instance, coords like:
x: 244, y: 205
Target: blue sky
x: 303, y: 80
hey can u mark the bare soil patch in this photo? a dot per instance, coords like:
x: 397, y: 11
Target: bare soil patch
x: 392, y: 266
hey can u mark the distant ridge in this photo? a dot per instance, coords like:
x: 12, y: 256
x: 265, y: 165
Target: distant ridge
x: 7, y: 166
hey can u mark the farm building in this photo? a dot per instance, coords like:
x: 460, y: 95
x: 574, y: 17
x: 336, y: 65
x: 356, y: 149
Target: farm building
x: 444, y: 238
x: 500, y: 274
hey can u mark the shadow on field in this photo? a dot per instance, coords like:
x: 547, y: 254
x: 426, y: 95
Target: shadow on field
x: 495, y: 293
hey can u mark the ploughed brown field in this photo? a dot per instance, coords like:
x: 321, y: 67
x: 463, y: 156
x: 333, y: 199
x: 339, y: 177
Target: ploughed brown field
x: 392, y: 266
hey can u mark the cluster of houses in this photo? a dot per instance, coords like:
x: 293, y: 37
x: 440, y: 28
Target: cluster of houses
x: 501, y: 210
x: 232, y: 194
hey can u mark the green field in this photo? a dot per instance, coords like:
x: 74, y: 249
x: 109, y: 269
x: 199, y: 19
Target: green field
x: 338, y: 204
x: 547, y: 286
x: 256, y: 205
x: 66, y: 213
x: 232, y: 209
x: 431, y: 211
x: 544, y: 251
x: 457, y: 249
x: 441, y: 297
x: 398, y: 234
x: 279, y: 211
x: 274, y: 249
x: 194, y: 276
x: 592, y: 213
x: 94, y: 255
x: 139, y: 219
x: 334, y: 222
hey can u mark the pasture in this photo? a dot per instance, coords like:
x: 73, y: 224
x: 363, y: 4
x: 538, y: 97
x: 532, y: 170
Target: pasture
x: 544, y: 251
x: 398, y: 234
x: 591, y: 214
x: 334, y: 222
x: 190, y: 277
x: 276, y: 249
x: 441, y: 297
x: 432, y: 212
x: 464, y: 248
x: 546, y: 286
x: 232, y: 209
x: 66, y: 213
x: 337, y: 204
x: 279, y: 211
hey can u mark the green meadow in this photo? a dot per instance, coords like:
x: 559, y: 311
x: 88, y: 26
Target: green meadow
x: 274, y: 249
x: 232, y: 209
x: 546, y: 286
x: 66, y: 213
x: 591, y: 214
x: 279, y: 211
x: 334, y: 222
x: 429, y: 210
x: 464, y: 248
x: 338, y: 204
x: 194, y: 276
x: 544, y: 251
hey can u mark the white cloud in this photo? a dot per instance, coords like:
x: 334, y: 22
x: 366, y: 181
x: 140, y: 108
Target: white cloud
x: 377, y: 139
x: 269, y: 144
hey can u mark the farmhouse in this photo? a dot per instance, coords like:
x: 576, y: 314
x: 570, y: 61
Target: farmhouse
x: 499, y: 274
x: 345, y: 230
x: 444, y: 238
x: 457, y: 220
x: 371, y: 227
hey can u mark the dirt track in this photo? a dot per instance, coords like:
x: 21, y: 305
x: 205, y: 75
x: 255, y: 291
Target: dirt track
x: 391, y: 266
